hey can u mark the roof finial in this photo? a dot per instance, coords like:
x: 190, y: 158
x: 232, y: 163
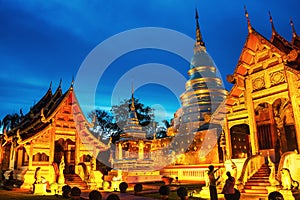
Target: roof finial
x: 248, y: 20
x: 132, y: 107
x: 199, y: 39
x: 60, y: 81
x: 72, y: 83
x: 50, y: 86
x: 293, y: 28
x: 271, y: 21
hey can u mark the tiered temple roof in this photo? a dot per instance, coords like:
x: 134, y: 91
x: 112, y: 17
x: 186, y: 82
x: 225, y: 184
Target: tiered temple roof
x: 133, y: 129
x: 42, y: 114
x: 279, y: 48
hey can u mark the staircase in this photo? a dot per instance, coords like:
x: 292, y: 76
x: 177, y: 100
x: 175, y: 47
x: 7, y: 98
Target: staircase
x: 74, y: 180
x: 259, y: 181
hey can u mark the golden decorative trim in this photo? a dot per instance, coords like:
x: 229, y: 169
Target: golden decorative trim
x: 258, y: 83
x: 277, y: 78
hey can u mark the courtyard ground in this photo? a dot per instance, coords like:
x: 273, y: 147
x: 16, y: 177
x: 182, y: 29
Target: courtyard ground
x: 18, y: 194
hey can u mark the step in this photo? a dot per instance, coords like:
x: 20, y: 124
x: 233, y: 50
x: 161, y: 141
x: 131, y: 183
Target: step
x: 258, y: 183
x: 261, y: 175
x: 259, y: 178
x: 75, y: 180
x: 257, y: 191
x: 263, y: 171
x: 255, y: 187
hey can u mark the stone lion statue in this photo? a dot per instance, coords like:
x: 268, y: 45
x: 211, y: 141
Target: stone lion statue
x: 286, y: 180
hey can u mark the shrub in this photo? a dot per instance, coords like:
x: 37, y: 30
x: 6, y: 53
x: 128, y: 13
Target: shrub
x: 123, y: 187
x: 95, y: 195
x: 75, y: 192
x: 138, y: 187
x: 105, y: 184
x: 182, y: 192
x: 66, y: 189
x: 113, y: 197
x: 164, y: 190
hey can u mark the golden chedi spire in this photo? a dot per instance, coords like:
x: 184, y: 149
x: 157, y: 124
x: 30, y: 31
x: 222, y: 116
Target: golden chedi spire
x: 204, y: 90
x: 199, y: 39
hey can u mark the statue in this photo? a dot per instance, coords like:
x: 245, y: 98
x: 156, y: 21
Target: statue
x: 61, y: 178
x: 37, y: 176
x: 272, y: 176
x: 286, y: 180
x: 92, y: 169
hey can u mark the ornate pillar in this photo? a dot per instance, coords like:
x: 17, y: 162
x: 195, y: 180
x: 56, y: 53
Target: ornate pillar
x: 251, y: 116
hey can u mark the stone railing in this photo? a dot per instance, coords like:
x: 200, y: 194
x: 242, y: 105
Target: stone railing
x: 287, y: 161
x: 190, y: 173
x: 250, y: 167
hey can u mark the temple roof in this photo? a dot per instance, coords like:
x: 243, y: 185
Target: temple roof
x: 31, y: 122
x: 279, y: 46
x: 132, y: 127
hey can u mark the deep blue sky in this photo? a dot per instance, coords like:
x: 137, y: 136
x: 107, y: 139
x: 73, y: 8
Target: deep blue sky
x: 44, y: 41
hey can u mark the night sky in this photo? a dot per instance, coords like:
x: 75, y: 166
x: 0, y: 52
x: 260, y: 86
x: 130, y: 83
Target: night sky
x: 44, y: 41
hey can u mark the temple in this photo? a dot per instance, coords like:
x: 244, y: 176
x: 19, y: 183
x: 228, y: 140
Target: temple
x: 52, y: 133
x: 251, y: 130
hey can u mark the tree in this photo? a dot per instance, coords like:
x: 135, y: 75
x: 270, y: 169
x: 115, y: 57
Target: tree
x: 10, y: 121
x: 104, y: 125
x: 145, y: 114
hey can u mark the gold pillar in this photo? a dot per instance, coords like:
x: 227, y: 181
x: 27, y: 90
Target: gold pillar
x: 51, y: 145
x: 12, y: 156
x: 20, y: 158
x: 77, y: 151
x: 228, y: 146
x: 292, y: 80
x: 30, y: 156
x: 120, y: 152
x: 141, y: 150
x: 251, y: 116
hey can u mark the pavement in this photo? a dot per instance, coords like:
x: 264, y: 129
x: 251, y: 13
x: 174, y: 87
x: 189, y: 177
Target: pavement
x: 17, y: 194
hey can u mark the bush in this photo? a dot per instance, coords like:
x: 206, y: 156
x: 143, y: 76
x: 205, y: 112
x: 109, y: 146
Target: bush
x: 75, y: 192
x: 123, y: 187
x: 164, y: 190
x: 182, y: 192
x: 66, y: 189
x: 95, y: 195
x: 113, y: 197
x: 105, y: 185
x: 138, y: 187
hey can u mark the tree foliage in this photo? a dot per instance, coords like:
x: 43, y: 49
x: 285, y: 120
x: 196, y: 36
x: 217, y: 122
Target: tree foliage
x: 108, y: 125
x: 10, y: 121
x: 104, y: 125
x: 145, y: 114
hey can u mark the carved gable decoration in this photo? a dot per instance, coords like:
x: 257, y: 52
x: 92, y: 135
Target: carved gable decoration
x: 252, y: 42
x: 258, y: 83
x: 277, y: 78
